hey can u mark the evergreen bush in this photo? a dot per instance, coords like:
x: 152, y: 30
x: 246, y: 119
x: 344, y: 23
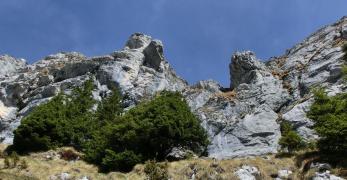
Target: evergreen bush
x: 290, y: 140
x: 148, y: 131
x: 108, y: 138
x: 330, y: 117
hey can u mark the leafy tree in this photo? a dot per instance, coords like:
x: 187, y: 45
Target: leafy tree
x: 330, y: 117
x: 290, y: 139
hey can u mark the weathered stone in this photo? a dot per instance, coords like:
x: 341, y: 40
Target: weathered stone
x: 154, y: 54
x: 240, y: 121
x: 179, y: 153
x: 241, y: 65
x: 297, y: 117
x: 325, y: 176
x: 344, y: 31
x: 10, y: 65
x: 284, y: 174
x: 256, y: 133
x: 138, y: 40
x: 247, y: 173
x: 34, y: 84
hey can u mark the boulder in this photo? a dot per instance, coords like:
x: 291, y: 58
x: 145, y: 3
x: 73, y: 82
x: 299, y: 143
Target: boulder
x: 179, y: 153
x: 248, y: 173
x: 284, y: 174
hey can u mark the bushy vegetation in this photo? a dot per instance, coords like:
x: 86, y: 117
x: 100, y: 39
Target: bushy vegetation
x: 109, y: 137
x: 330, y: 117
x: 13, y: 161
x: 156, y: 171
x: 66, y: 120
x: 148, y: 131
x: 290, y: 140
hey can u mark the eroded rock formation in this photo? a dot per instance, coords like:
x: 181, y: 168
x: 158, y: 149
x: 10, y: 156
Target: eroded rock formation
x: 241, y: 120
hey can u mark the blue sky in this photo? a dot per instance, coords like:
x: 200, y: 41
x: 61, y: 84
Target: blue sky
x: 199, y: 35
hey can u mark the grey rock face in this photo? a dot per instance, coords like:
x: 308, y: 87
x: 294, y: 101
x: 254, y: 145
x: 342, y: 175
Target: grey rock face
x: 241, y: 66
x: 297, y: 117
x: 154, y: 54
x: 10, y: 65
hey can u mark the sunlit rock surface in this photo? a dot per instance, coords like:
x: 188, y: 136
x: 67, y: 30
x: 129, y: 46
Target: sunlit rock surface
x: 241, y: 120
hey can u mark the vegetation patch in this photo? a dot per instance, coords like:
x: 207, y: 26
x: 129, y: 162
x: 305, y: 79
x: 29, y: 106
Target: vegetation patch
x: 330, y: 117
x: 109, y: 137
x: 290, y: 140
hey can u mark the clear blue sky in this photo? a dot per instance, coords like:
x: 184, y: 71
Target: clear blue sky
x: 199, y: 35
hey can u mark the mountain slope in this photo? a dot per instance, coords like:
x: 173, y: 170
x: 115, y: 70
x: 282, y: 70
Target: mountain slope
x: 242, y: 120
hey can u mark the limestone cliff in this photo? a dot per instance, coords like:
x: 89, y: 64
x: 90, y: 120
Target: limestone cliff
x: 241, y: 120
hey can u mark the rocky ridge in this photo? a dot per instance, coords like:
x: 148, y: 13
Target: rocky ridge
x: 241, y: 120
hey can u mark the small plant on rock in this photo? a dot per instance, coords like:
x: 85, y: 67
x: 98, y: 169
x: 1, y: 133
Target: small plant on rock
x: 290, y: 140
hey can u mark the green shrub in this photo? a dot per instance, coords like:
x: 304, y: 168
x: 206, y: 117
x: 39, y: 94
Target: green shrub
x: 330, y: 117
x: 107, y: 137
x: 290, y: 140
x: 149, y: 131
x: 66, y: 120
x: 122, y: 161
x: 156, y: 171
x: 110, y: 108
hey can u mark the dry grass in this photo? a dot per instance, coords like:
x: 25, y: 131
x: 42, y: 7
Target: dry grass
x: 286, y: 85
x: 281, y: 61
x: 225, y: 169
x: 339, y: 42
x: 44, y: 71
x: 230, y: 95
x: 280, y: 75
x: 41, y: 167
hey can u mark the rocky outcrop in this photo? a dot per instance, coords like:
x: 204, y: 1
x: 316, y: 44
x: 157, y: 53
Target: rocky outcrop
x: 9, y: 65
x: 241, y: 120
x: 135, y: 70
